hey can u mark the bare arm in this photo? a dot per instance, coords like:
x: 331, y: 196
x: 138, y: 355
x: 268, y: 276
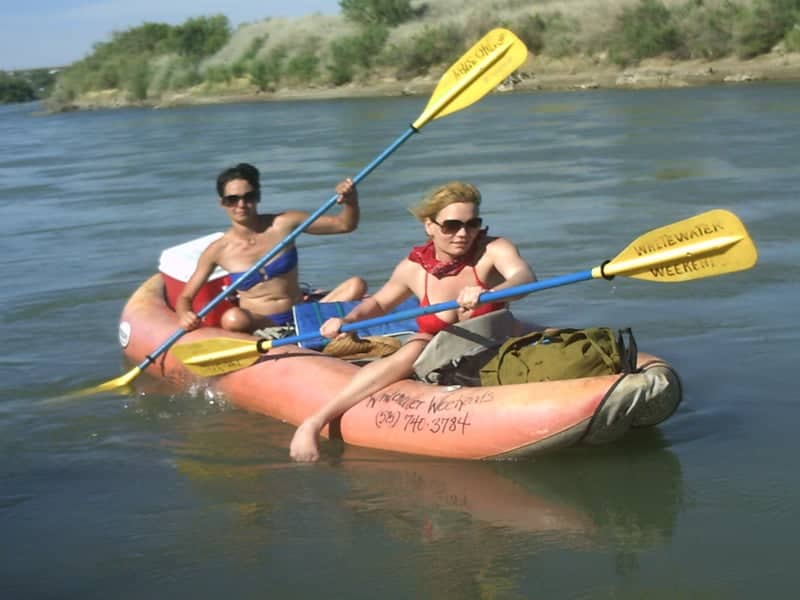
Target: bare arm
x: 183, y: 305
x: 393, y: 292
x: 344, y: 222
x: 507, y: 261
x: 511, y: 266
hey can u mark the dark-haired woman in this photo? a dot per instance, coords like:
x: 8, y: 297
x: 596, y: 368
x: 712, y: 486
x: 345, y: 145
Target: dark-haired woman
x: 267, y: 296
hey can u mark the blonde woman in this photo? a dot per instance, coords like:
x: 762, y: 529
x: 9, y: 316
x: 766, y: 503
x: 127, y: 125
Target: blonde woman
x: 459, y: 261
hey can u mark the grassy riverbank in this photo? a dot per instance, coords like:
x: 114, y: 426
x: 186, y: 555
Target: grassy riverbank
x: 541, y: 74
x: 574, y: 44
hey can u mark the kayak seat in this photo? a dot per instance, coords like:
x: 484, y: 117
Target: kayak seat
x: 310, y: 316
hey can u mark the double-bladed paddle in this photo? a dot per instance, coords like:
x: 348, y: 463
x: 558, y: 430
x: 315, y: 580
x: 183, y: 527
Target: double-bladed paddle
x: 712, y: 243
x: 481, y: 69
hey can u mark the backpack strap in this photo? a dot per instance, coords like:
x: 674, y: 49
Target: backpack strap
x: 591, y: 335
x: 629, y: 351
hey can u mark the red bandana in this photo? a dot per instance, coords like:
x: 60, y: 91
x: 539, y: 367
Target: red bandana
x: 425, y: 256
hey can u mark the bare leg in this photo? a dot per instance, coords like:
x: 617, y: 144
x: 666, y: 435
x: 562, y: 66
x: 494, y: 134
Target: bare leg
x: 242, y: 320
x: 350, y: 289
x: 371, y: 378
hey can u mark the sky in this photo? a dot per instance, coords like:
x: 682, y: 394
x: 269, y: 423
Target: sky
x: 52, y: 33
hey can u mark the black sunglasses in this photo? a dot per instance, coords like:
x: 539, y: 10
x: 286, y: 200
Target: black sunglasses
x: 453, y: 226
x: 233, y: 199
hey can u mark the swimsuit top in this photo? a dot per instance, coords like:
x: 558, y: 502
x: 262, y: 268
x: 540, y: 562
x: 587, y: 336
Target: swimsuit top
x: 282, y: 265
x: 432, y: 324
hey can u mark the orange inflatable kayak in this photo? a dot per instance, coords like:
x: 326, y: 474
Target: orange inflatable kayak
x: 290, y: 383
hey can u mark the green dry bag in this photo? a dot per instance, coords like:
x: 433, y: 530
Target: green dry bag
x: 556, y: 354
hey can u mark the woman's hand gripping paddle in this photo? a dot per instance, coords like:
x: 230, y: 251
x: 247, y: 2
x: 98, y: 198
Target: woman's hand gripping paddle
x: 710, y: 244
x: 481, y: 69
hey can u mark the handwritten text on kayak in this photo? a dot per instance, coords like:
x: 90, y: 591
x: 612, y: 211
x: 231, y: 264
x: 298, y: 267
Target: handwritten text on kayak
x: 415, y: 415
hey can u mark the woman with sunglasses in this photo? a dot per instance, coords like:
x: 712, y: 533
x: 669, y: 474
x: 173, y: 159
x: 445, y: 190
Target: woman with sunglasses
x: 266, y: 297
x: 459, y: 261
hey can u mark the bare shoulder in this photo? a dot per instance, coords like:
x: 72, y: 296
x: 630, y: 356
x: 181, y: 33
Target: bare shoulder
x: 399, y: 285
x: 213, y: 253
x: 402, y: 275
x: 287, y: 219
x: 500, y: 246
x: 499, y: 243
x: 405, y: 271
x: 216, y: 248
x: 406, y: 276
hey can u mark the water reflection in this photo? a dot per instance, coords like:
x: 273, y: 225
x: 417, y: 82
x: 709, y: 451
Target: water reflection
x: 482, y: 518
x: 626, y: 494
x: 484, y: 528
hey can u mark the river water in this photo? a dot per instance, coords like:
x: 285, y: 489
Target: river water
x: 164, y: 494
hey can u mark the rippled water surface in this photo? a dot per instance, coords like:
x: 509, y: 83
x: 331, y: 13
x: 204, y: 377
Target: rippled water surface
x: 177, y: 495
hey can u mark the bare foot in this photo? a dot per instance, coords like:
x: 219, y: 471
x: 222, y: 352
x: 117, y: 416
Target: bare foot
x: 305, y: 446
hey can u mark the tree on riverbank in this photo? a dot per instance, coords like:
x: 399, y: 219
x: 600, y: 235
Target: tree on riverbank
x: 25, y: 85
x: 15, y: 89
x: 401, y: 39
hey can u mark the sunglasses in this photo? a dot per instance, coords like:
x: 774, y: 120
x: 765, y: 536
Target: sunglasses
x: 233, y: 199
x: 453, y: 226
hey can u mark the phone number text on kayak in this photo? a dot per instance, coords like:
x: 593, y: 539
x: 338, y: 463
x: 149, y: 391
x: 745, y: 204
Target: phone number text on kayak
x: 415, y: 423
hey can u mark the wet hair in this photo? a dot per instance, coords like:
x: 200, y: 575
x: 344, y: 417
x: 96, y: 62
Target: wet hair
x: 244, y: 171
x: 450, y: 193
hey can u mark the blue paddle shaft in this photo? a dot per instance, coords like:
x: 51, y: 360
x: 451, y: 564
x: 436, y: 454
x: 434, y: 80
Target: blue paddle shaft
x: 278, y: 247
x: 518, y: 290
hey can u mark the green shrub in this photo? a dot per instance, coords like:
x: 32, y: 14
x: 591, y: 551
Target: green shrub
x: 560, y: 33
x: 218, y: 74
x: 765, y: 24
x: 553, y: 34
x: 303, y: 67
x: 200, y: 37
x: 377, y: 12
x: 642, y: 31
x: 61, y: 96
x: 108, y: 76
x: 136, y: 80
x: 708, y: 29
x: 173, y: 72
x: 530, y: 29
x: 434, y: 45
x: 183, y: 75
x: 353, y: 53
x: 240, y: 68
x: 342, y: 68
x: 148, y: 38
x: 479, y: 21
x: 369, y: 44
x: 255, y: 45
x: 266, y: 73
x: 792, y: 38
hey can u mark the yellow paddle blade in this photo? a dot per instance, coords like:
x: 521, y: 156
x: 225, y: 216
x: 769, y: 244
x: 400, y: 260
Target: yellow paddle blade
x: 122, y: 381
x: 484, y: 66
x: 709, y: 244
x: 216, y: 356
